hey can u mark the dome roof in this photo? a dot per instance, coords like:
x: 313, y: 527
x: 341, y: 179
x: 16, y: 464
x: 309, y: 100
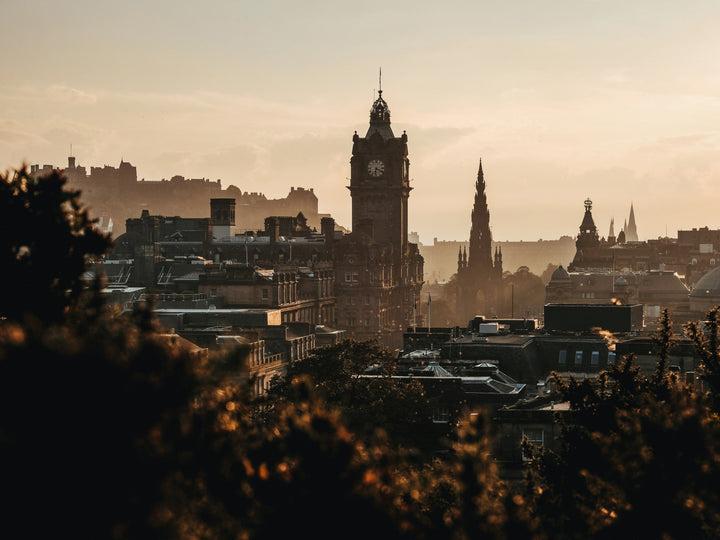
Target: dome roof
x: 560, y: 275
x: 708, y: 285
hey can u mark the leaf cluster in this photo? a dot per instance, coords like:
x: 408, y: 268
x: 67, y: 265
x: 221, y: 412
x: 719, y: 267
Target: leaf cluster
x: 637, y: 453
x: 47, y: 241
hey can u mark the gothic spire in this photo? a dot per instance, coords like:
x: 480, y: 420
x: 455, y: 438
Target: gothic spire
x: 631, y: 230
x: 480, y: 258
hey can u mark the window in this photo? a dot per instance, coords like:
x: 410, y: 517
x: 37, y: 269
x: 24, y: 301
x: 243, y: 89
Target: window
x: 265, y: 294
x: 351, y: 277
x: 534, y: 436
x: 595, y: 358
x: 578, y: 358
x: 562, y: 357
x: 441, y: 414
x: 611, y: 357
x: 213, y: 292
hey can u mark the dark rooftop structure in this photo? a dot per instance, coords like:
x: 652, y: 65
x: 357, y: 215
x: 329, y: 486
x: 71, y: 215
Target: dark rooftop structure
x: 585, y: 317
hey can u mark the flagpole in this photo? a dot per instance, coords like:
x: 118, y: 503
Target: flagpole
x: 414, y: 309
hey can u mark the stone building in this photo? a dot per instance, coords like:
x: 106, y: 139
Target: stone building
x: 379, y: 273
x: 654, y: 289
x: 300, y: 293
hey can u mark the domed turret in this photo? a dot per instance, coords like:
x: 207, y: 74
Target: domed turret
x: 708, y: 286
x: 380, y: 111
x: 706, y: 293
x: 560, y: 275
x: 380, y: 116
x: 380, y: 119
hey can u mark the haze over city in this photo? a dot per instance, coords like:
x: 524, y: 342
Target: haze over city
x: 561, y: 100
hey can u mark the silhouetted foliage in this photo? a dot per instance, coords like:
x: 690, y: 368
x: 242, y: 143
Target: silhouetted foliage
x: 546, y: 275
x: 461, y: 496
x: 637, y: 455
x: 523, y: 294
x: 401, y: 410
x: 46, y: 242
x: 706, y: 337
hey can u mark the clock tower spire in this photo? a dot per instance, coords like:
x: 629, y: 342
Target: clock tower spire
x: 380, y: 181
x: 379, y: 273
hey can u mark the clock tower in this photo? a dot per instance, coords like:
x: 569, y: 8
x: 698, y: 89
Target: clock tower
x: 379, y: 273
x: 380, y: 182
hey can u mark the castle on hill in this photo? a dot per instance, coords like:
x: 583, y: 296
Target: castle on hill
x: 114, y: 195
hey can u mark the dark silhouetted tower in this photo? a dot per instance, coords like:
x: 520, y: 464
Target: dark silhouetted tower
x: 479, y: 279
x: 588, y: 238
x: 380, y: 182
x: 480, y: 257
x: 379, y: 273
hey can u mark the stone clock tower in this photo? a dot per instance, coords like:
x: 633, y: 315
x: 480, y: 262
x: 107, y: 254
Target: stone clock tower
x: 379, y: 273
x: 380, y: 181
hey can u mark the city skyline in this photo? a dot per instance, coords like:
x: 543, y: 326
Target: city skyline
x: 562, y: 102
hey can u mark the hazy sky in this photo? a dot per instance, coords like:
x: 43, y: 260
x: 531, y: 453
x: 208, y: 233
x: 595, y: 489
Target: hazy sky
x: 562, y: 100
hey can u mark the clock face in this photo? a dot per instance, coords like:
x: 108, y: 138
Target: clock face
x: 376, y: 167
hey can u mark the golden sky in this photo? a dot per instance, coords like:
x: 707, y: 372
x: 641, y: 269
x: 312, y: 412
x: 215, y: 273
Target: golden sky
x: 562, y: 100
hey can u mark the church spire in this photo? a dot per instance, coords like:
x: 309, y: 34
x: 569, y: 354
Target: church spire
x: 498, y: 261
x: 480, y: 257
x: 631, y: 229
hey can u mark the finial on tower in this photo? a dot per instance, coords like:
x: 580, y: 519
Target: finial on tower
x: 380, y: 81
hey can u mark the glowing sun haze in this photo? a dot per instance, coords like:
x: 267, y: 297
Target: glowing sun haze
x: 562, y: 100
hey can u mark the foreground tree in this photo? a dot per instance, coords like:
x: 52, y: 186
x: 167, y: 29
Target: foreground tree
x: 398, y: 411
x: 706, y: 337
x: 47, y: 241
x: 638, y: 455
